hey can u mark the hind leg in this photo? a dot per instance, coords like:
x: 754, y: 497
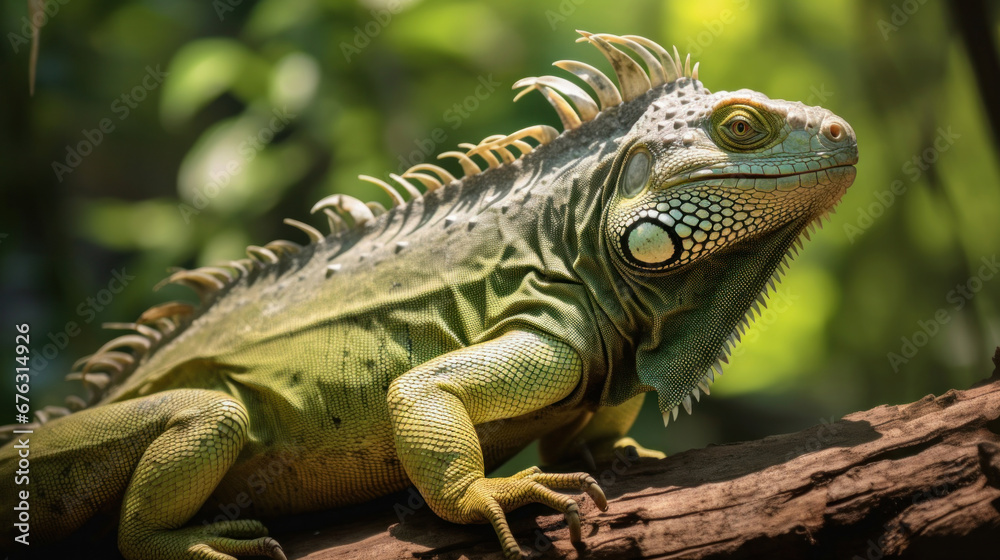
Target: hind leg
x: 176, y: 474
x: 160, y: 456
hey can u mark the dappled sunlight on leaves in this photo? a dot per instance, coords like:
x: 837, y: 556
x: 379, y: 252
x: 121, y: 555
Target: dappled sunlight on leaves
x: 148, y: 225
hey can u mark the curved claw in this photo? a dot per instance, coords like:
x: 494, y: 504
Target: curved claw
x: 492, y: 497
x: 596, y: 494
x: 572, y: 516
x: 495, y: 514
x: 276, y: 551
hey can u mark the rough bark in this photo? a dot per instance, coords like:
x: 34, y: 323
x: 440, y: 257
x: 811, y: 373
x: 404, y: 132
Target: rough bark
x: 920, y: 480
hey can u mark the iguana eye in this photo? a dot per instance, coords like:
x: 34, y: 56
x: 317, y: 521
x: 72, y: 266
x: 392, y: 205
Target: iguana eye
x: 739, y: 127
x: 743, y: 128
x: 635, y: 172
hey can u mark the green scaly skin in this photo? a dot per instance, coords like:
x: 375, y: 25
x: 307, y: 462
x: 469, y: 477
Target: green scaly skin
x: 539, y: 298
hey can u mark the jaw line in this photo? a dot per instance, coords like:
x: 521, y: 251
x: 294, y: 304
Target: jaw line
x: 700, y: 175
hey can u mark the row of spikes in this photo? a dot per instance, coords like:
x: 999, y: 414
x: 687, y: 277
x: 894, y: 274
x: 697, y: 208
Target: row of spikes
x: 101, y: 370
x: 753, y: 313
x: 633, y: 80
x: 662, y: 68
x: 431, y: 177
x: 109, y: 364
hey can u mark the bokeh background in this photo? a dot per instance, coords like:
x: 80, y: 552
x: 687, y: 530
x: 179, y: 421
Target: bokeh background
x: 894, y: 299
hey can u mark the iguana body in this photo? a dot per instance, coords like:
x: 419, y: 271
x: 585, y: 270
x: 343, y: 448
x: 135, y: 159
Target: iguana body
x: 539, y: 297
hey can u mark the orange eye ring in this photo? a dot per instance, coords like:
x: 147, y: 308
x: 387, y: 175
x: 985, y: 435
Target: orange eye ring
x: 740, y: 128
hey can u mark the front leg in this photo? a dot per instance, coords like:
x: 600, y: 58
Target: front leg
x: 434, y: 409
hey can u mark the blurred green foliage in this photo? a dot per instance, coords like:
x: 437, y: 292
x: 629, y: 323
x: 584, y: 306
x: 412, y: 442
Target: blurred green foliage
x: 188, y: 176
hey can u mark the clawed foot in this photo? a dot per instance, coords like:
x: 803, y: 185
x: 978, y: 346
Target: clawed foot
x: 224, y: 540
x: 623, y: 444
x: 612, y: 451
x: 492, y: 497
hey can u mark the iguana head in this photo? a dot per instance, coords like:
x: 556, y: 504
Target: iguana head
x: 702, y: 172
x: 701, y: 198
x: 710, y: 193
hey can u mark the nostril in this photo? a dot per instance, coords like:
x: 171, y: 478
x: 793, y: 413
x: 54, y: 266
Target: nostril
x: 835, y: 131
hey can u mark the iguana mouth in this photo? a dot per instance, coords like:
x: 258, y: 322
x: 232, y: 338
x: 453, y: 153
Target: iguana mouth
x: 812, y: 177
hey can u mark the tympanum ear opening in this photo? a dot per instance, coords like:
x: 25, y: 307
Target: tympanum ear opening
x: 636, y: 172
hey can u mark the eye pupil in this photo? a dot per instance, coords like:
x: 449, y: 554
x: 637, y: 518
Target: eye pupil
x: 739, y: 127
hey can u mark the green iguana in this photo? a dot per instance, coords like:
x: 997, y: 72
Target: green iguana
x: 540, y: 295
